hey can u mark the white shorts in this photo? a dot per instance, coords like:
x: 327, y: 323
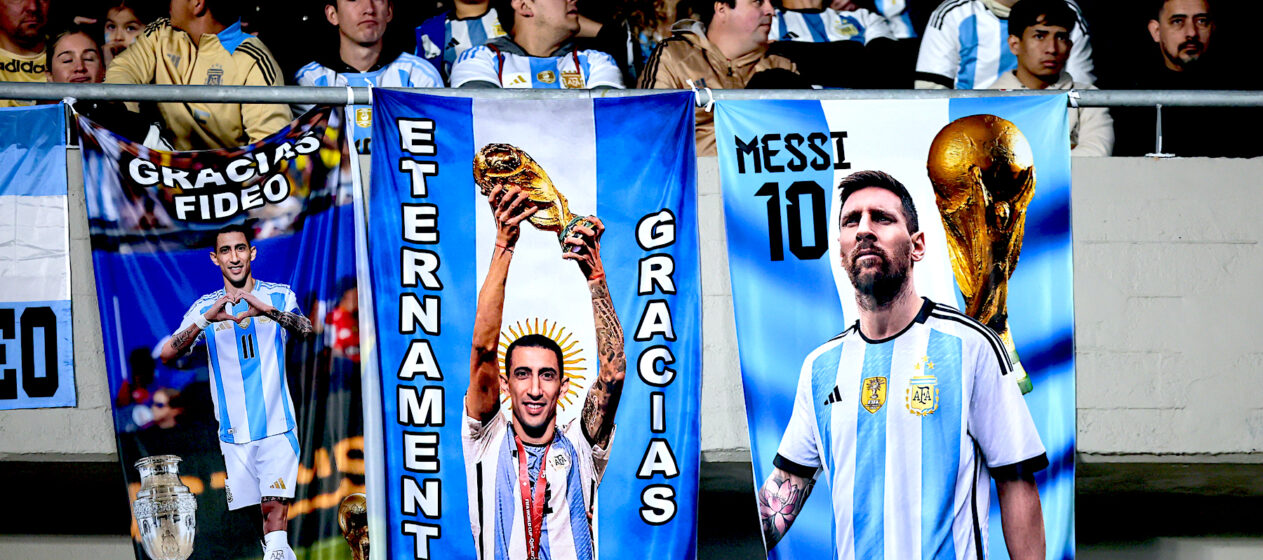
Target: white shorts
x: 264, y: 467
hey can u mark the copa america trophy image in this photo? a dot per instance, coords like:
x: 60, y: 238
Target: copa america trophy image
x: 983, y: 174
x: 504, y: 165
x: 165, y: 510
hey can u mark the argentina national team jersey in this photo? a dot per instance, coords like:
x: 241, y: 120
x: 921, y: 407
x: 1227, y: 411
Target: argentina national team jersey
x: 966, y: 46
x: 247, y: 362
x: 828, y: 25
x: 896, y: 14
x: 443, y: 38
x: 405, y: 71
x: 573, y: 471
x: 907, y: 431
x: 502, y: 63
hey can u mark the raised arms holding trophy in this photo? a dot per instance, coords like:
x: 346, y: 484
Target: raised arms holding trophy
x: 556, y: 468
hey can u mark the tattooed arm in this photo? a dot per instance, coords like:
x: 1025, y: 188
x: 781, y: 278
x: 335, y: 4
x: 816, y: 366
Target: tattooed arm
x: 780, y: 501
x: 182, y: 340
x: 292, y: 322
x: 482, y: 400
x: 602, y: 401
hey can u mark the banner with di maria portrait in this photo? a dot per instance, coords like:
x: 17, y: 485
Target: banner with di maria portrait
x: 540, y: 389
x: 227, y: 291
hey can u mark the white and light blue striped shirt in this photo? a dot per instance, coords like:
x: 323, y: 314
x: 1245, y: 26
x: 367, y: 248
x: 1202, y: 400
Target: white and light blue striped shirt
x: 828, y: 25
x: 443, y: 38
x: 247, y: 361
x: 907, y: 431
x: 405, y: 71
x: 574, y: 469
x: 502, y: 63
x: 966, y: 46
x: 896, y: 14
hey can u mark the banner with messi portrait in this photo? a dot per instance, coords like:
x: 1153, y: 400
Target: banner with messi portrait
x: 901, y: 276
x: 536, y: 315
x: 229, y: 310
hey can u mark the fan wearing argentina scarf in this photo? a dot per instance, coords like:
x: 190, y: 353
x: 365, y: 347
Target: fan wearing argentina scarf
x: 444, y: 37
x: 538, y: 53
x: 907, y: 413
x: 245, y: 326
x: 362, y: 60
x: 531, y: 482
x: 965, y: 46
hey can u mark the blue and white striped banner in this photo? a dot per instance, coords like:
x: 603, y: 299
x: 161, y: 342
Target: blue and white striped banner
x: 36, y: 353
x: 430, y: 236
x: 780, y: 163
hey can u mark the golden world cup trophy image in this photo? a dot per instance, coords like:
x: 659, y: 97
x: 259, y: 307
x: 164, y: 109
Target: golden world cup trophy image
x: 504, y: 165
x: 353, y: 520
x: 984, y: 177
x: 165, y: 510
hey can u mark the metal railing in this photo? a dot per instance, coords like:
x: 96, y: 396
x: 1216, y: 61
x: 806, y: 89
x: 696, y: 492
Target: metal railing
x: 361, y: 95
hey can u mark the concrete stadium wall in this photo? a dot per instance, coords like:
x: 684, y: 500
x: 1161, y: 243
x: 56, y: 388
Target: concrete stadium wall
x: 1167, y: 268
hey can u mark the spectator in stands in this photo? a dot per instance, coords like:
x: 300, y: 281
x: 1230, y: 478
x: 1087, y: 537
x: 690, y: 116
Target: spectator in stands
x: 1039, y: 36
x: 965, y: 46
x: 22, y: 57
x: 650, y: 24
x: 806, y: 21
x: 897, y: 13
x: 197, y: 46
x: 542, y: 35
x: 1183, y: 33
x: 363, y: 60
x: 167, y: 407
x: 75, y: 57
x: 122, y: 26
x: 725, y: 54
x: 444, y: 37
x: 818, y: 38
x: 613, y: 28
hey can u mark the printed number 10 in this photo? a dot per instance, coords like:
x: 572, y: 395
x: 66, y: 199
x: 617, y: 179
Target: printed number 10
x: 34, y: 384
x: 794, y: 212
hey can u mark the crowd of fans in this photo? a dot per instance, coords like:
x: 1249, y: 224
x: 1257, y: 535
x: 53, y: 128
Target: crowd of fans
x: 659, y: 44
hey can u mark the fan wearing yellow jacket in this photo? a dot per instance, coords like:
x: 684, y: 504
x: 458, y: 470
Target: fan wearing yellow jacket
x: 194, y: 47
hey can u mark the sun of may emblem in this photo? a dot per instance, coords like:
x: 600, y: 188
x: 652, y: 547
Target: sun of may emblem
x: 571, y: 353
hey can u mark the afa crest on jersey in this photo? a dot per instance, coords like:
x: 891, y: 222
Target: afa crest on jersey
x: 873, y: 393
x: 363, y: 117
x: 847, y: 27
x: 558, y: 464
x: 921, y: 396
x: 572, y: 80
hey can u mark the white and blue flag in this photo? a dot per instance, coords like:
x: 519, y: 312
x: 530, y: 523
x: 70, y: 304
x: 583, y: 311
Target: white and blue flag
x: 36, y: 356
x: 430, y: 234
x: 875, y: 497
